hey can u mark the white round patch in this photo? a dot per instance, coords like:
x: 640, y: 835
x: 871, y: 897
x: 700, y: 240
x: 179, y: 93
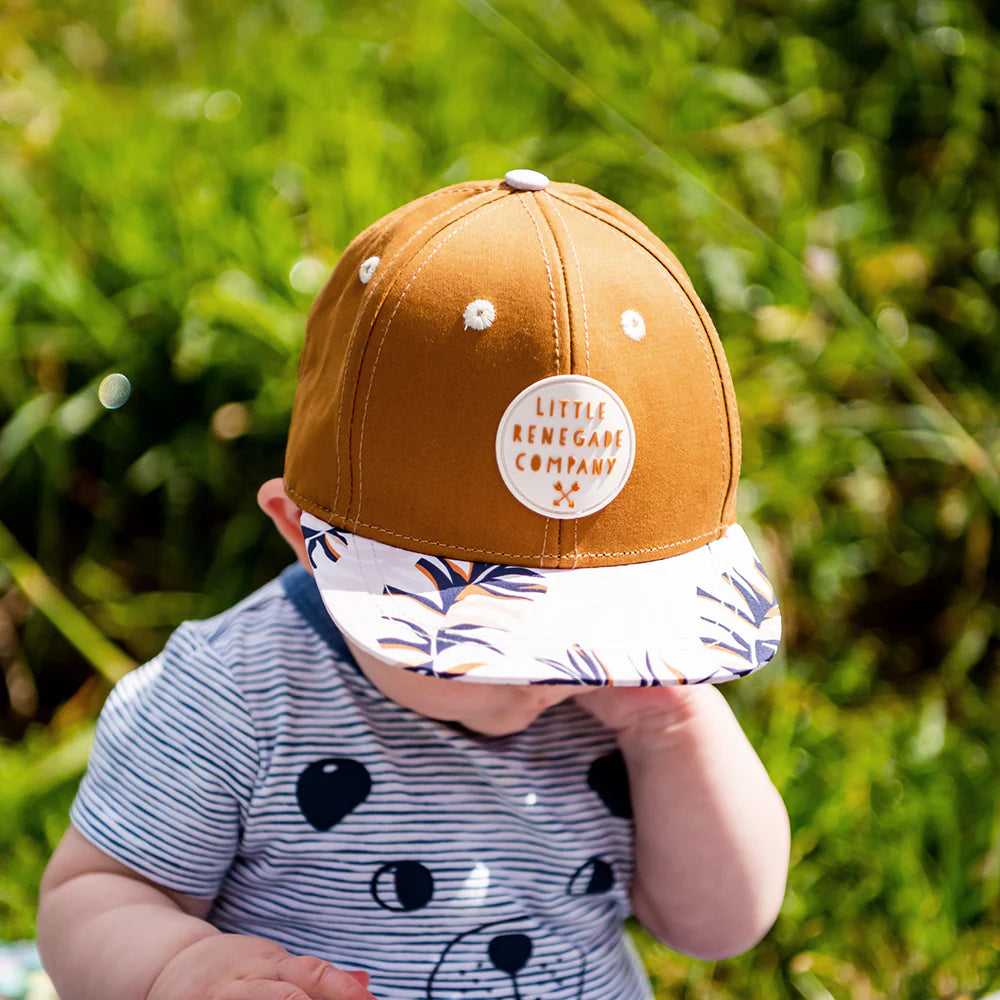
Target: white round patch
x: 633, y: 324
x: 479, y: 314
x: 565, y: 446
x: 367, y: 269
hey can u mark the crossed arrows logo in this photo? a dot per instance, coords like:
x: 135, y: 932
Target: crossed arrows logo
x: 564, y: 494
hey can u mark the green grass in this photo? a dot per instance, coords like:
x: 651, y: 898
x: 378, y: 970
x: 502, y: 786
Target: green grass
x: 825, y: 172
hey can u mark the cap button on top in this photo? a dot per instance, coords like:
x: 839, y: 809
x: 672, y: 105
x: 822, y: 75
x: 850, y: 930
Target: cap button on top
x: 525, y: 180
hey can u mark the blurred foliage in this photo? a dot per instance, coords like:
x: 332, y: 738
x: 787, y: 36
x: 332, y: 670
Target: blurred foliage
x: 176, y: 180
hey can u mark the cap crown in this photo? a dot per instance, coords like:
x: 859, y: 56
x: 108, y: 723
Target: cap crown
x: 394, y: 428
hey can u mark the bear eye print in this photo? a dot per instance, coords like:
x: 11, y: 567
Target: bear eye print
x: 402, y: 886
x: 592, y: 878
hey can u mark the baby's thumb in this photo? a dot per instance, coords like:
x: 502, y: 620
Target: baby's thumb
x: 361, y: 977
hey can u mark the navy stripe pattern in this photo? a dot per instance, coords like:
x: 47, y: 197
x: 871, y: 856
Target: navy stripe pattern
x: 254, y: 764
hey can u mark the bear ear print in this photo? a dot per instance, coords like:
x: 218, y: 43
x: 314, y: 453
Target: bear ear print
x: 609, y: 778
x: 402, y: 885
x: 328, y: 789
x: 592, y: 878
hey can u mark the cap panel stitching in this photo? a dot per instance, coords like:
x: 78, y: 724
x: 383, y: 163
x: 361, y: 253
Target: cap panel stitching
x: 357, y: 319
x: 548, y: 272
x: 455, y: 190
x: 378, y: 224
x: 627, y: 233
x: 706, y: 347
x: 696, y: 320
x: 371, y: 290
x: 512, y: 555
x: 534, y: 555
x: 586, y: 336
x: 385, y: 333
x: 601, y: 206
x: 560, y: 259
x: 579, y: 274
x: 555, y: 337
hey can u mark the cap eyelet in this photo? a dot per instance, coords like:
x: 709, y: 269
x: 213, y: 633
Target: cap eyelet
x: 367, y: 269
x: 479, y: 314
x: 633, y: 325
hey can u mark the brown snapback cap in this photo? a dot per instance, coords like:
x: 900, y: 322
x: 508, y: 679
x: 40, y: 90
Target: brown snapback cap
x: 518, y: 373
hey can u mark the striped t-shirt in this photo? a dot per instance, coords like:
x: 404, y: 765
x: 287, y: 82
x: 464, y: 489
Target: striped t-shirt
x: 253, y: 763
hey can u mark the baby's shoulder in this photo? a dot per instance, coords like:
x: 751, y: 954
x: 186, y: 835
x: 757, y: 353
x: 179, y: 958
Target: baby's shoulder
x: 264, y: 639
x: 255, y: 616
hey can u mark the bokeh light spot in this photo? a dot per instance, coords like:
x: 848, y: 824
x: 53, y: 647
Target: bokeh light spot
x: 307, y: 275
x: 230, y: 421
x: 222, y: 106
x: 949, y: 40
x: 892, y: 322
x: 114, y: 391
x: 848, y: 166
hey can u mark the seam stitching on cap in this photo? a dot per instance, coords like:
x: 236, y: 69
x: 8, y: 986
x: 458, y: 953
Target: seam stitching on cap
x: 595, y: 212
x: 357, y: 319
x: 586, y: 334
x: 721, y: 529
x: 548, y: 272
x: 555, y: 330
x: 453, y: 190
x: 560, y: 259
x: 424, y: 197
x: 385, y: 334
x: 371, y: 291
x: 579, y: 274
x: 699, y: 327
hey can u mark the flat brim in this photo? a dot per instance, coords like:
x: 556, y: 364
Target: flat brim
x: 705, y: 616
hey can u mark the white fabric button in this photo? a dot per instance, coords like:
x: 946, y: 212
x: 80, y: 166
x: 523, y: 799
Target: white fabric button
x: 525, y: 180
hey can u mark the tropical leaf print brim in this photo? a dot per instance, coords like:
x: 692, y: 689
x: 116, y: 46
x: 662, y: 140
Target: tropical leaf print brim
x: 706, y: 616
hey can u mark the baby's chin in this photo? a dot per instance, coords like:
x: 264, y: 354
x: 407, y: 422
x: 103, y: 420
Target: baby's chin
x: 508, y: 723
x: 495, y: 732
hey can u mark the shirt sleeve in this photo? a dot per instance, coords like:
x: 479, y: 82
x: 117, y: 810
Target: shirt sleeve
x: 172, y: 769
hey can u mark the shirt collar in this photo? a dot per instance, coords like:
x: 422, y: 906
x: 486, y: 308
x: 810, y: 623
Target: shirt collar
x: 301, y: 590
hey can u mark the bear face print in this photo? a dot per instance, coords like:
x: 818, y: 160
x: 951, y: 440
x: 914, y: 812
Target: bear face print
x: 516, y: 950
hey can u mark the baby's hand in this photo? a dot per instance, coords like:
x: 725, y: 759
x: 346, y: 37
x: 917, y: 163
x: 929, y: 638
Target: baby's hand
x: 238, y: 967
x: 648, y: 717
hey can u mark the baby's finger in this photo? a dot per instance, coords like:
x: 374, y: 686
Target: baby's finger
x: 260, y: 989
x: 359, y: 975
x: 320, y: 980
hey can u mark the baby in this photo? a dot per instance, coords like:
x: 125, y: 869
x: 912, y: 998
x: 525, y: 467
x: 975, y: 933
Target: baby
x: 446, y: 753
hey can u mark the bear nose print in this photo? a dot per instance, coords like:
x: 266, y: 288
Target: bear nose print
x: 510, y: 952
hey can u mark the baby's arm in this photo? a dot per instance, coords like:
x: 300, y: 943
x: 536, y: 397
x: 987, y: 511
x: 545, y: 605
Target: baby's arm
x: 107, y: 933
x: 711, y: 831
